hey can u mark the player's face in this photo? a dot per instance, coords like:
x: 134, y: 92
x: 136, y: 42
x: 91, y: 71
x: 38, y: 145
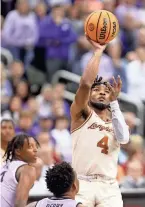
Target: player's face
x: 29, y: 151
x: 7, y: 131
x: 100, y: 95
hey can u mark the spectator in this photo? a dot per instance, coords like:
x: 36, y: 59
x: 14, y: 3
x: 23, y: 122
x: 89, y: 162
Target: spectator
x: 109, y: 5
x: 134, y: 178
x: 38, y: 62
x: 16, y: 73
x: 58, y: 94
x: 23, y: 91
x: 6, y: 89
x: 45, y: 124
x: 120, y: 64
x: 25, y: 124
x: 57, y: 34
x: 106, y: 69
x: 141, y: 37
x: 15, y: 106
x: 32, y: 106
x: 20, y: 31
x: 136, y: 79
x: 132, y: 121
x: 128, y: 35
x: 58, y: 108
x: 124, y: 8
x: 62, y: 137
x: 41, y: 10
x: 46, y: 151
x: 7, y: 133
x: 45, y: 100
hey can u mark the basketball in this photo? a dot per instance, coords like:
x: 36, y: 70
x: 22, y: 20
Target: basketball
x: 101, y: 26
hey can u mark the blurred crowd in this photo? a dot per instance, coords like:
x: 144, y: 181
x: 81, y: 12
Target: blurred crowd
x: 39, y: 38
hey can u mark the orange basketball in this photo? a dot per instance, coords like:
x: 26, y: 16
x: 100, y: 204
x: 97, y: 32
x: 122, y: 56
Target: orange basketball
x: 101, y: 26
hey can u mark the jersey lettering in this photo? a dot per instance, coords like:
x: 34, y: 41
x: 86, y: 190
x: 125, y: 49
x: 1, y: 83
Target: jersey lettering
x: 54, y: 205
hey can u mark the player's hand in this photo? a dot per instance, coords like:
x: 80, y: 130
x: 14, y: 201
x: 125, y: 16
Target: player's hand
x: 115, y: 88
x: 96, y: 46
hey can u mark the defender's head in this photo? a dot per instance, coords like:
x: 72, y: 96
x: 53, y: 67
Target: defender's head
x: 62, y: 180
x: 100, y: 93
x: 22, y: 147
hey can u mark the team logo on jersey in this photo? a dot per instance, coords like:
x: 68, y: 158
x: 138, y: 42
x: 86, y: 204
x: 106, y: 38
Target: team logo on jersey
x: 100, y: 127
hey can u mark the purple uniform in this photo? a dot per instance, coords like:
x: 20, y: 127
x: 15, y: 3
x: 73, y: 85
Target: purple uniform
x: 54, y: 202
x: 9, y: 182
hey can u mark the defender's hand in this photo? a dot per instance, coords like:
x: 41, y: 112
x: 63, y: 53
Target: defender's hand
x: 115, y: 88
x: 96, y: 46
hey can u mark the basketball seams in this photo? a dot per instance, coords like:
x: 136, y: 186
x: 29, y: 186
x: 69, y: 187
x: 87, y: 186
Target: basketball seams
x: 100, y: 21
x: 88, y: 22
x: 109, y: 27
x: 97, y: 27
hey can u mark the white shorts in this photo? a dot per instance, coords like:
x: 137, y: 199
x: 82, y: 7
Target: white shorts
x: 99, y: 193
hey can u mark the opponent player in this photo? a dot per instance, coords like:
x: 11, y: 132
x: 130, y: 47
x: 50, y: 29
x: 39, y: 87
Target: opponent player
x: 17, y: 176
x: 62, y: 181
x: 98, y: 129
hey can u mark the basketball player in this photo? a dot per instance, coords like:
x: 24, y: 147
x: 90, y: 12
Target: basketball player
x: 62, y: 181
x: 98, y: 129
x: 17, y: 176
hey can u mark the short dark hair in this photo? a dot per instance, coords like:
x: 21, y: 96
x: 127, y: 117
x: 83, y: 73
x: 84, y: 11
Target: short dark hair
x: 8, y: 120
x: 60, y: 178
x: 17, y: 143
x: 98, y: 81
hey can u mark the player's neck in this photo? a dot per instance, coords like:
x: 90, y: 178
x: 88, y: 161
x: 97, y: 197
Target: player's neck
x: 69, y: 195
x: 4, y: 145
x: 103, y: 114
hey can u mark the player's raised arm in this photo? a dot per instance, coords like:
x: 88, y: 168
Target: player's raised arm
x: 82, y: 96
x: 26, y: 176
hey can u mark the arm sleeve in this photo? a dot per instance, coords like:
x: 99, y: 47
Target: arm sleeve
x: 121, y: 130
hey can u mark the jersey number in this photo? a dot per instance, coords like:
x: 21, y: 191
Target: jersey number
x: 103, y: 143
x: 2, y: 176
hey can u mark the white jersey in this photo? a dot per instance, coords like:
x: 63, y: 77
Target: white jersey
x: 56, y: 202
x: 9, y: 182
x: 95, y: 149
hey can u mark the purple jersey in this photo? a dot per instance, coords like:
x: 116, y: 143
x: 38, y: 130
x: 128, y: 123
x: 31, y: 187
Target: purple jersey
x: 9, y: 182
x: 54, y: 202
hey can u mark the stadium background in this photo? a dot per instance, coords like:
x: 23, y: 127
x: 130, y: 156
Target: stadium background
x: 44, y: 52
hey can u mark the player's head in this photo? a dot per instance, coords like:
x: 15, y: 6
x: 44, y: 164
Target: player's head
x: 62, y: 180
x: 100, y: 93
x: 22, y: 147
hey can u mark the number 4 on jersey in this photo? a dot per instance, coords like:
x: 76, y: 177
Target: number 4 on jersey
x: 103, y: 143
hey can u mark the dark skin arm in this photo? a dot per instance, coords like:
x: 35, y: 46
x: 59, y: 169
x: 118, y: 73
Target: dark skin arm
x: 26, y: 177
x: 80, y: 104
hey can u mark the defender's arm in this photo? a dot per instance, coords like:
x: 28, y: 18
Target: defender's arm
x: 26, y: 178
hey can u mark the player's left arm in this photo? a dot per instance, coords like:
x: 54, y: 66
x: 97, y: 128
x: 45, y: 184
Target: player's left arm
x: 121, y: 130
x: 26, y: 178
x: 32, y: 204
